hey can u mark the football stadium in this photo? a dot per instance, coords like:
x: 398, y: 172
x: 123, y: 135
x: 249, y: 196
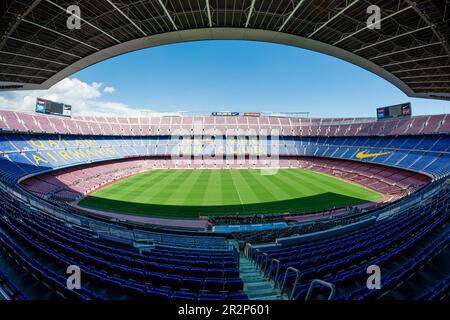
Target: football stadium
x: 225, y: 205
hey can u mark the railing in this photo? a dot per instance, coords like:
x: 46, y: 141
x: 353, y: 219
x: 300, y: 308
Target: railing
x: 297, y: 278
x: 247, y: 250
x: 236, y: 254
x: 324, y: 283
x: 268, y: 272
x: 265, y: 259
x: 258, y: 258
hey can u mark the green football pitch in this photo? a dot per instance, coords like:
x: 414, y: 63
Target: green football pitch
x: 193, y: 193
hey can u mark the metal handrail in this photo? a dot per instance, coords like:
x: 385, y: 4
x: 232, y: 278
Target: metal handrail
x: 324, y: 283
x: 266, y: 267
x: 255, y: 256
x: 259, y: 260
x: 247, y: 250
x: 268, y: 271
x: 265, y: 259
x: 297, y: 277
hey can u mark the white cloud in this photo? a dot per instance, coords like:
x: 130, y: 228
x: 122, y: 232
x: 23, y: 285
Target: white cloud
x: 109, y: 90
x: 85, y: 98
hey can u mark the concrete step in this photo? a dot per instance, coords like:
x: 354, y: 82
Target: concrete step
x: 255, y: 285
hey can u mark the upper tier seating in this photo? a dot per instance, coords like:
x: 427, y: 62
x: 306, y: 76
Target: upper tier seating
x: 143, y: 126
x: 22, y: 155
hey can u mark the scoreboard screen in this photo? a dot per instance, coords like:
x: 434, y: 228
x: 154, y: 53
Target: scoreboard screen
x: 55, y: 108
x: 399, y: 110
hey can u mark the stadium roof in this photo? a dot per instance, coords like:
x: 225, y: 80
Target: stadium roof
x: 411, y: 50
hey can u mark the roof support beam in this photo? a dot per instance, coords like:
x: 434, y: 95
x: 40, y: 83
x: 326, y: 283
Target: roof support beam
x: 250, y: 12
x: 413, y: 60
x: 426, y: 76
x: 390, y: 39
x: 370, y: 25
x: 36, y: 58
x: 168, y: 15
x: 61, y: 34
x: 20, y: 75
x: 405, y: 50
x: 433, y: 27
x: 421, y: 69
x: 432, y: 88
x: 87, y: 22
x: 291, y: 15
x: 126, y: 17
x: 18, y: 21
x: 45, y: 47
x: 429, y: 81
x: 26, y: 67
x: 208, y: 11
x: 333, y: 18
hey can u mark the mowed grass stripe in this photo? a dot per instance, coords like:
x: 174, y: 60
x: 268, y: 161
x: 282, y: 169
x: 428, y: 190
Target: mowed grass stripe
x: 189, y: 193
x: 248, y: 193
x: 130, y: 184
x: 325, y: 180
x: 317, y: 183
x: 180, y: 193
x: 338, y: 186
x: 277, y: 191
x: 310, y: 184
x: 194, y: 189
x: 138, y: 189
x: 229, y: 192
x: 262, y: 193
x: 165, y: 187
x: 291, y: 186
x: 213, y: 189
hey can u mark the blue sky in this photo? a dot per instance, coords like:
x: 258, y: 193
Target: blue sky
x: 247, y: 76
x: 206, y: 76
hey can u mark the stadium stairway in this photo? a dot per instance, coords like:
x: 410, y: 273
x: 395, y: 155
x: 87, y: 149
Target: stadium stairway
x: 256, y: 287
